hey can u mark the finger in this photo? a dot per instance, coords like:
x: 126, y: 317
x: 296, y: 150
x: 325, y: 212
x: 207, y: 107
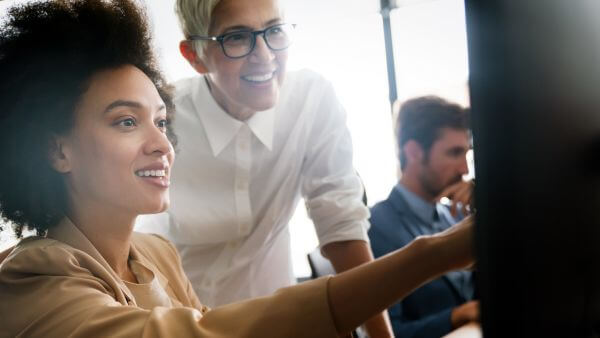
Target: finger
x: 466, y: 209
x: 464, y: 195
x: 464, y: 198
x: 451, y: 190
x: 461, y: 196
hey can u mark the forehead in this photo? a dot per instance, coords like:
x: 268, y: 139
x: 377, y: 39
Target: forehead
x: 450, y: 137
x: 123, y: 83
x: 253, y: 14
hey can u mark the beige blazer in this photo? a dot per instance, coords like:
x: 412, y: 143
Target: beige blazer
x: 60, y: 286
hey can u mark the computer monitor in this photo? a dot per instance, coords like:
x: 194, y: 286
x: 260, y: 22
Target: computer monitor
x: 535, y: 100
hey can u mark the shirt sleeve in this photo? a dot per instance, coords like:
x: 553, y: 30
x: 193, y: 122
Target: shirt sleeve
x: 58, y: 297
x: 330, y: 186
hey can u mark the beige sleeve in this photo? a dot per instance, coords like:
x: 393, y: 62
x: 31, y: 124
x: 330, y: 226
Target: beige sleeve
x: 58, y: 297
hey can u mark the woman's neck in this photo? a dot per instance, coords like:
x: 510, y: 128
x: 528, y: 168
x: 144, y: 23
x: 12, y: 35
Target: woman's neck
x: 110, y: 233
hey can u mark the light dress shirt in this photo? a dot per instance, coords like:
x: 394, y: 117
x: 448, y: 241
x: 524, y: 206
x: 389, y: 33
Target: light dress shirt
x: 436, y: 218
x: 235, y: 185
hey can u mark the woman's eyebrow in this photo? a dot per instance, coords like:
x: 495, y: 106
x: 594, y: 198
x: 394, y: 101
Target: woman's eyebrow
x: 122, y: 103
x: 247, y: 28
x: 131, y: 104
x: 237, y: 28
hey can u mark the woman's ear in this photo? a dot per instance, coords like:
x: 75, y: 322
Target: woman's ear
x: 189, y: 53
x: 59, y: 154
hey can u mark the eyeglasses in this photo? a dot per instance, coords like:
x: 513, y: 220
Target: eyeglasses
x: 241, y: 43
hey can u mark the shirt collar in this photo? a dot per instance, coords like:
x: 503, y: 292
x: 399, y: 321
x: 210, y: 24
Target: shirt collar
x: 221, y: 128
x: 262, y: 124
x: 424, y: 210
x: 65, y: 231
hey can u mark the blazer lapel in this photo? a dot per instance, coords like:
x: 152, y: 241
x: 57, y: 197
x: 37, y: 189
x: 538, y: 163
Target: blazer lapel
x: 408, y: 218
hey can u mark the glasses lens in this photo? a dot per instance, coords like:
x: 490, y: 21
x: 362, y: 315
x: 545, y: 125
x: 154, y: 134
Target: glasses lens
x: 237, y: 44
x: 280, y: 36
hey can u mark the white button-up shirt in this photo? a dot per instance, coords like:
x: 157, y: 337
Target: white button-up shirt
x: 235, y: 185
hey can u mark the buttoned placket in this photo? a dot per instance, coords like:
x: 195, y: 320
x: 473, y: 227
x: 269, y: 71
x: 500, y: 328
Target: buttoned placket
x: 243, y: 158
x: 243, y: 161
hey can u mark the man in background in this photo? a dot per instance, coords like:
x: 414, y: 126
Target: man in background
x: 433, y: 139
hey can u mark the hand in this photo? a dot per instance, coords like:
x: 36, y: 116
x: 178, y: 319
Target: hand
x: 461, y: 196
x: 456, y: 244
x: 467, y: 312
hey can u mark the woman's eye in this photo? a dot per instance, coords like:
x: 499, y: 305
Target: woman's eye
x: 128, y: 123
x: 162, y: 124
x: 236, y: 37
x: 275, y: 30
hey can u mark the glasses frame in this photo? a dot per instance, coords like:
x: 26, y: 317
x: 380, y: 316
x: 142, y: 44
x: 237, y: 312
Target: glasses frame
x: 221, y: 38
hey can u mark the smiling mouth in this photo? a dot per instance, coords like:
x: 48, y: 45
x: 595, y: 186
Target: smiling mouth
x: 259, y: 78
x: 151, y: 173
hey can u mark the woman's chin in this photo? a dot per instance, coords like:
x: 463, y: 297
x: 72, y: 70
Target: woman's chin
x: 156, y: 209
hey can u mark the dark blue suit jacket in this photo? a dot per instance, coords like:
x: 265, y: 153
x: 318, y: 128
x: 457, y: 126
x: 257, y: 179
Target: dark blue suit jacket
x: 426, y: 312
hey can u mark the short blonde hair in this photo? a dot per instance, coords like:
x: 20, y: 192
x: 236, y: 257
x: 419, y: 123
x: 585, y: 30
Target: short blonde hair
x: 195, y: 19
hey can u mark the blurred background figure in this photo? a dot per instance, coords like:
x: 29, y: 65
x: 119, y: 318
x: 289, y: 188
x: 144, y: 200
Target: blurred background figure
x: 433, y: 140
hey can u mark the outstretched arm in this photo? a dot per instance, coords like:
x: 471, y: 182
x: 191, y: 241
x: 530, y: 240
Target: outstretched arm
x: 55, y: 284
x: 359, y: 293
x: 346, y: 255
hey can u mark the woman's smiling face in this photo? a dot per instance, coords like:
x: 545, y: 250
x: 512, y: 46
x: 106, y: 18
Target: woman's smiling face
x: 117, y: 158
x: 248, y: 84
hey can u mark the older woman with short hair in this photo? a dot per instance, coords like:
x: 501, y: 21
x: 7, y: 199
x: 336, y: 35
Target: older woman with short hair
x: 255, y: 139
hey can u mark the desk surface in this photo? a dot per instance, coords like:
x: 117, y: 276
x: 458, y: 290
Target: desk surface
x: 471, y: 330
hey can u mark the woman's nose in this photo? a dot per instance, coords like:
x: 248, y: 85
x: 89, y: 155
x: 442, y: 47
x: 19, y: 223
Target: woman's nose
x: 261, y: 52
x: 157, y: 142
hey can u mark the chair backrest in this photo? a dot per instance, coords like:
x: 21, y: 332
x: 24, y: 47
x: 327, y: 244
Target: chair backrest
x: 319, y: 265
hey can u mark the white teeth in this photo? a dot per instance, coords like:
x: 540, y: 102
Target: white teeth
x: 258, y: 78
x: 148, y: 173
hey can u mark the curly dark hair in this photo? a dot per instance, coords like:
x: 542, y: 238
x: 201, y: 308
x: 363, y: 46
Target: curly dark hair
x: 422, y: 118
x: 48, y: 53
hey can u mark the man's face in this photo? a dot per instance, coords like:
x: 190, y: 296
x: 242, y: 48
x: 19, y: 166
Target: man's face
x: 446, y: 162
x: 249, y: 84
